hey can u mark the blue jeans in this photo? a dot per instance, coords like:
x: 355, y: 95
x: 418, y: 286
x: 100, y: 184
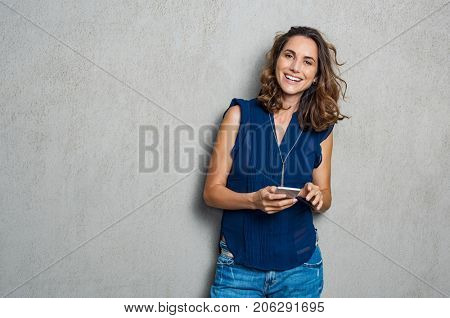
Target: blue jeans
x: 238, y: 281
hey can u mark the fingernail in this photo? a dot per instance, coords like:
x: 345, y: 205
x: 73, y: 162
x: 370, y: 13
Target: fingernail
x: 295, y: 200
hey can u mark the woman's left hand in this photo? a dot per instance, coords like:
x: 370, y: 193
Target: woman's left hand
x: 312, y: 194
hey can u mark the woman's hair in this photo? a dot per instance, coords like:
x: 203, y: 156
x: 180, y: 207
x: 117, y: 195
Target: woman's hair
x: 318, y: 107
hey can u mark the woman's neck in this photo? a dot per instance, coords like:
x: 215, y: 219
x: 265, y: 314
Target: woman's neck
x: 284, y: 115
x: 291, y: 102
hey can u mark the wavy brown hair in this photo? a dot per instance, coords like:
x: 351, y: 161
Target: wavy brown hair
x: 318, y: 108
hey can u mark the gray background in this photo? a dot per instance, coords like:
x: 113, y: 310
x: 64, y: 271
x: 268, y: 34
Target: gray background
x: 78, y: 79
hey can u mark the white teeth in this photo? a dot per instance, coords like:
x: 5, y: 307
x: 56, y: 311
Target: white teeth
x: 292, y: 78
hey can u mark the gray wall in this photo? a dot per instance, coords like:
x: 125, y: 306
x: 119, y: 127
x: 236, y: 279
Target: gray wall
x: 78, y: 78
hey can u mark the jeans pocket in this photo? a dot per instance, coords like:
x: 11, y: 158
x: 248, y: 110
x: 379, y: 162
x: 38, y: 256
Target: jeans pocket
x: 315, y: 261
x: 225, y: 257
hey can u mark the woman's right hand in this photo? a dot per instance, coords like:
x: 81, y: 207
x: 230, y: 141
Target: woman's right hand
x: 270, y: 202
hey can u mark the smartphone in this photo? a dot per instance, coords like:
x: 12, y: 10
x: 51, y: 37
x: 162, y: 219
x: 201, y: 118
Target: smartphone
x: 290, y: 192
x: 293, y: 193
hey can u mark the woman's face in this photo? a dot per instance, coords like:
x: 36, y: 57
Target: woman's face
x: 299, y: 61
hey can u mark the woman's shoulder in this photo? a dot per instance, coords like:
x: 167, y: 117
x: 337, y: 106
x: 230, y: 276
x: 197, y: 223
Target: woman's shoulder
x: 236, y: 107
x: 246, y: 108
x: 253, y: 102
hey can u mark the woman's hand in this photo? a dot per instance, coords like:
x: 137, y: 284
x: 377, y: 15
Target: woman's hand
x: 270, y: 202
x: 312, y: 194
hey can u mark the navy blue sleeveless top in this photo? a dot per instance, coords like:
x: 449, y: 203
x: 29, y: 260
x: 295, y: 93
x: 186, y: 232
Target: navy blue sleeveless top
x: 285, y: 239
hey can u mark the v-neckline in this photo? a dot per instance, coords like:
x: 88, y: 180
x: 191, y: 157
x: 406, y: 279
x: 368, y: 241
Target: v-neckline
x: 287, y: 128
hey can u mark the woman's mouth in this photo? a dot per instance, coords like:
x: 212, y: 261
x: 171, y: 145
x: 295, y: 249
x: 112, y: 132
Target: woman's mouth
x: 292, y: 79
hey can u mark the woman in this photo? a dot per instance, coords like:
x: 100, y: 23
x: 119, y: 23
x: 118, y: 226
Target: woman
x: 268, y: 243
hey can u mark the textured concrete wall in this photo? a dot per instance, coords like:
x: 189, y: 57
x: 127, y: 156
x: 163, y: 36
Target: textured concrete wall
x: 78, y: 78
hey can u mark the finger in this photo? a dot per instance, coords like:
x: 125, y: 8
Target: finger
x: 276, y: 196
x: 272, y: 189
x: 320, y: 205
x: 309, y: 193
x: 287, y: 205
x: 313, y: 192
x: 281, y: 203
x: 281, y: 208
x: 271, y: 210
x: 317, y: 198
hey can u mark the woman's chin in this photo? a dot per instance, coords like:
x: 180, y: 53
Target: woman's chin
x: 291, y: 92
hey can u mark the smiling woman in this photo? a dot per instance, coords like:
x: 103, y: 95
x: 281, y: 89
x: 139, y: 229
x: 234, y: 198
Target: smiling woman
x: 268, y: 245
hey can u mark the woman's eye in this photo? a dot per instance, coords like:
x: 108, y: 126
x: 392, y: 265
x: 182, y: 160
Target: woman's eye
x: 288, y: 55
x: 309, y: 63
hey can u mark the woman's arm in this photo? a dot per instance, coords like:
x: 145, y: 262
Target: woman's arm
x: 322, y: 175
x: 215, y: 193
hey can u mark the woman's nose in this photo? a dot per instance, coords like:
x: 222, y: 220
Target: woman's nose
x: 295, y: 67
